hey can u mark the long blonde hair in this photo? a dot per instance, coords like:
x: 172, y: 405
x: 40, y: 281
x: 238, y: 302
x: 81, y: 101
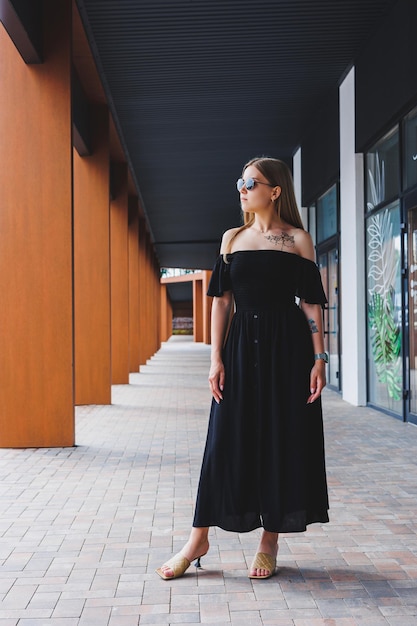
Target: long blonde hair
x: 278, y: 174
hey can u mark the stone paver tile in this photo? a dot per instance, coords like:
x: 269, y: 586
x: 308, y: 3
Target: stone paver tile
x: 271, y: 618
x: 17, y: 561
x: 293, y: 614
x: 69, y: 608
x: 251, y: 618
x: 95, y: 617
x: 340, y: 621
x: 214, y: 613
x: 18, y: 597
x: 273, y: 604
x: 65, y: 621
x: 25, y: 614
x: 122, y: 620
x: 333, y: 609
x: 82, y: 529
x: 301, y: 600
x: 185, y: 604
x: 44, y: 599
x: 402, y: 610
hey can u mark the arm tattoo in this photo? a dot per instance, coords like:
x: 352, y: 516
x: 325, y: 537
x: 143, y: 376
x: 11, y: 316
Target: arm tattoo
x: 313, y: 326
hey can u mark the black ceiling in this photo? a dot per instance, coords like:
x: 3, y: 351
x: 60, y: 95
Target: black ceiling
x: 197, y: 87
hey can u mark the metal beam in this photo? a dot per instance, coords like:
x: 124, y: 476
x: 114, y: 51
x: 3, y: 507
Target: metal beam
x: 22, y: 19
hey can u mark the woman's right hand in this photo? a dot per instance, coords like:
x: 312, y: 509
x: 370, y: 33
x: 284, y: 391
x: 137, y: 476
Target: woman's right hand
x: 216, y: 380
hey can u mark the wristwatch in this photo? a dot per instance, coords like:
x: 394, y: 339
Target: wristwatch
x: 322, y: 355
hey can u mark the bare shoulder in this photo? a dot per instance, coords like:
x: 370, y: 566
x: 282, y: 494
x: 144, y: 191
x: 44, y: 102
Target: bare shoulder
x: 227, y: 236
x: 304, y: 244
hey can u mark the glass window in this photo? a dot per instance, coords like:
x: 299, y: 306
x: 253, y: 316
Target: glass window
x: 410, y: 165
x: 327, y: 214
x: 312, y: 222
x: 328, y: 264
x: 383, y: 254
x: 382, y: 170
x: 412, y: 307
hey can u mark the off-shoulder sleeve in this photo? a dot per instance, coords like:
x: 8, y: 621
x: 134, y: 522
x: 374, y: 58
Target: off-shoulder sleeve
x: 310, y: 287
x: 220, y: 278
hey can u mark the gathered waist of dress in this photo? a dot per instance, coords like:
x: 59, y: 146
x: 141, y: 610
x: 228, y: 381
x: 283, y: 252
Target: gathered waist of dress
x: 282, y: 306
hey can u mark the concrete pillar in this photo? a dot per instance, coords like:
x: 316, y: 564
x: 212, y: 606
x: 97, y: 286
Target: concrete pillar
x: 142, y: 293
x: 119, y: 275
x: 353, y: 311
x: 207, y: 302
x: 133, y: 242
x: 198, y: 310
x: 36, y: 278
x: 166, y: 314
x: 92, y: 267
x: 298, y: 187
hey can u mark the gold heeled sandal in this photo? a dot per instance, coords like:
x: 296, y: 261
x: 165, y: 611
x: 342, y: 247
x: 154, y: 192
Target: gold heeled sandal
x: 263, y: 561
x: 179, y: 565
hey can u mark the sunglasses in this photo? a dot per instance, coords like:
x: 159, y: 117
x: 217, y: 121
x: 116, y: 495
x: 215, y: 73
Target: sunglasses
x: 250, y: 184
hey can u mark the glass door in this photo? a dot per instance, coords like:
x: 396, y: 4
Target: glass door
x: 412, y: 314
x: 384, y: 311
x: 329, y: 270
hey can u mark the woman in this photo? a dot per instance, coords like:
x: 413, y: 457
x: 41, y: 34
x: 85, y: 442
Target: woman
x: 263, y: 465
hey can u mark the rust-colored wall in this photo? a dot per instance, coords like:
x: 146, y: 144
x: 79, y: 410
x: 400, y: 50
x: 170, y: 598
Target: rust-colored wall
x: 166, y: 314
x: 119, y: 254
x: 155, y: 313
x: 133, y: 240
x: 156, y: 276
x: 78, y: 274
x: 207, y: 303
x: 144, y: 295
x: 198, y: 310
x: 36, y: 336
x: 92, y: 267
x: 149, y: 298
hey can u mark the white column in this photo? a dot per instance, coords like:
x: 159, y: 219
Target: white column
x: 352, y: 257
x: 296, y: 168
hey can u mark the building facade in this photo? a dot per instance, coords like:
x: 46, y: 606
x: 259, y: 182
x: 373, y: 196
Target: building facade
x: 356, y: 173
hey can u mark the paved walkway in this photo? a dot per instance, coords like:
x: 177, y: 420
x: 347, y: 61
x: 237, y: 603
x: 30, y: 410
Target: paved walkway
x: 82, y: 529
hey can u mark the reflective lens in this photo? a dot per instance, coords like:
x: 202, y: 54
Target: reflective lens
x: 249, y: 184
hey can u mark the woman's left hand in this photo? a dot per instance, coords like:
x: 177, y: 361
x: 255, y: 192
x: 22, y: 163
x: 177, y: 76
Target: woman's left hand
x: 317, y: 380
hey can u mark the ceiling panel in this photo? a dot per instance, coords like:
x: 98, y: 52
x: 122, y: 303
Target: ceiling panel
x: 197, y: 87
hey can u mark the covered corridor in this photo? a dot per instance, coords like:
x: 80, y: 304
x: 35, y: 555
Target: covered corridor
x: 124, y: 126
x: 83, y: 528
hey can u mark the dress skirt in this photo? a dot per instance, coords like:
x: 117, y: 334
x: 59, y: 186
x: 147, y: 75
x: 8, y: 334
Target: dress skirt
x: 264, y: 464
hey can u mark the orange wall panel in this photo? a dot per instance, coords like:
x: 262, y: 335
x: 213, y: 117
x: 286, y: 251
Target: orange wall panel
x: 92, y: 268
x: 164, y: 313
x: 36, y: 339
x: 143, y: 332
x: 133, y: 238
x: 149, y: 298
x: 198, y: 310
x: 119, y: 256
x: 156, y: 305
x: 207, y: 302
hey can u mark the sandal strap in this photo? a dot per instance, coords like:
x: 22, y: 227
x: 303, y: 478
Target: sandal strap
x: 178, y: 564
x: 264, y: 561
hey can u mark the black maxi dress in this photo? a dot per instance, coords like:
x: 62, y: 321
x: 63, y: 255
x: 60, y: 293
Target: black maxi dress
x: 263, y: 464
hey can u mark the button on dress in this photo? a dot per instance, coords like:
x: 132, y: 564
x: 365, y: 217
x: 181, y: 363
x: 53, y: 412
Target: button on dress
x: 264, y: 464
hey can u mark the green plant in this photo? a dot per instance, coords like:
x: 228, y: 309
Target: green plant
x: 386, y: 342
x: 385, y: 333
